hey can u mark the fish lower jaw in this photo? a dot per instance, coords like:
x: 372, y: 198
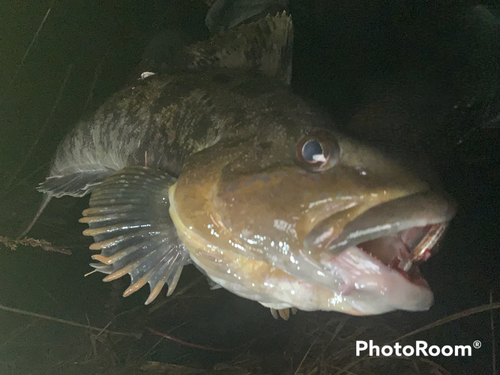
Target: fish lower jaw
x: 373, y: 287
x: 262, y: 282
x: 276, y: 305
x: 359, y: 283
x: 405, y: 250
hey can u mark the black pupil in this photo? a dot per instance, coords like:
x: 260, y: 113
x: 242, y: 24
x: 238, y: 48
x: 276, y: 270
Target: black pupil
x: 311, y: 148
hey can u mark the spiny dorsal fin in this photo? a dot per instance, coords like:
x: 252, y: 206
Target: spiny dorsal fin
x: 264, y: 45
x: 226, y: 14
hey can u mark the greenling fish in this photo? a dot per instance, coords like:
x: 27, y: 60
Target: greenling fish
x: 218, y: 163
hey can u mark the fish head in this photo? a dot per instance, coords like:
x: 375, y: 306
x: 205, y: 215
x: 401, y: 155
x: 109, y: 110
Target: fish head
x: 306, y: 217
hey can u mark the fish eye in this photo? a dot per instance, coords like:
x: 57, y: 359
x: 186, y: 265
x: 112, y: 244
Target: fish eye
x: 312, y: 151
x: 317, y: 151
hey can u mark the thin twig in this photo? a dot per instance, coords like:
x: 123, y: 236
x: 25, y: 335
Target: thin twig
x: 187, y: 343
x: 424, y: 360
x: 68, y: 322
x: 448, y: 319
x: 97, y: 74
x: 16, y: 334
x: 493, y: 343
x: 19, y: 182
x: 35, y: 37
x: 44, y: 126
x: 45, y: 245
x: 339, y: 328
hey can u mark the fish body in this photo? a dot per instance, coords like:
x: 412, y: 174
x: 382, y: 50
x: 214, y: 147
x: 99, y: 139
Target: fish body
x: 220, y: 164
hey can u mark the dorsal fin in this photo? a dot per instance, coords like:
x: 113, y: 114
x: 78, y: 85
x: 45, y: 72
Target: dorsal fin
x: 226, y: 14
x: 264, y: 45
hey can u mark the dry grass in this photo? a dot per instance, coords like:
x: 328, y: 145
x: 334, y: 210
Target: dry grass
x: 313, y: 348
x: 32, y: 242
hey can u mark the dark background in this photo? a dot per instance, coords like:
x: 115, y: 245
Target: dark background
x: 431, y: 69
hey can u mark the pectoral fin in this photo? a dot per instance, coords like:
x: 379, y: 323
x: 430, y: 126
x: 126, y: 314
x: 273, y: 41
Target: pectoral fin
x: 129, y: 220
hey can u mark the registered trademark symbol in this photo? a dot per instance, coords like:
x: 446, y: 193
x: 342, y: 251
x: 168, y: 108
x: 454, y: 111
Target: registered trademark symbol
x: 476, y: 344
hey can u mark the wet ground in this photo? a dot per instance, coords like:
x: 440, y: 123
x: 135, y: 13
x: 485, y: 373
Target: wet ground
x: 85, y: 51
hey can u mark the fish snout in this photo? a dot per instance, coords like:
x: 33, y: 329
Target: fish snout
x: 399, y: 233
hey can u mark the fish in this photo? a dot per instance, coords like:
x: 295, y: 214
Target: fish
x: 219, y: 164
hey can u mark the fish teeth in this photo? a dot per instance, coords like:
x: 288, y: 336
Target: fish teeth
x: 405, y: 265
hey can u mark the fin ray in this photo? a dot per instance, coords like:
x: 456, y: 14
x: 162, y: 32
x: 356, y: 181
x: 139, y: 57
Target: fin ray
x: 75, y: 184
x: 264, y: 45
x: 129, y: 220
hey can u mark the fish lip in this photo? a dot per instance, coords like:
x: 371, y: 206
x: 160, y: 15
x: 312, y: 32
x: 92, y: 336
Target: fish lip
x: 393, y: 237
x: 416, y: 210
x: 396, y: 289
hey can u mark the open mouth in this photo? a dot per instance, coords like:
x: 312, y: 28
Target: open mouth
x: 401, y: 233
x: 405, y: 250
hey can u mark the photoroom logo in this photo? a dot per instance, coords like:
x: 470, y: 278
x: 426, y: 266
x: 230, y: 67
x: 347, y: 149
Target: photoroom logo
x: 420, y: 349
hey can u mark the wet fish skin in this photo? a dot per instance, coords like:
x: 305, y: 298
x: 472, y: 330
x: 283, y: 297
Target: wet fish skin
x: 247, y: 193
x: 246, y: 229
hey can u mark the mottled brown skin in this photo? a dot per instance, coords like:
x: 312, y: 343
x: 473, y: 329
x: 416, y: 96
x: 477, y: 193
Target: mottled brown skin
x: 161, y: 121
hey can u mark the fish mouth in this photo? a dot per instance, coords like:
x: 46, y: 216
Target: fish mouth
x: 400, y: 234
